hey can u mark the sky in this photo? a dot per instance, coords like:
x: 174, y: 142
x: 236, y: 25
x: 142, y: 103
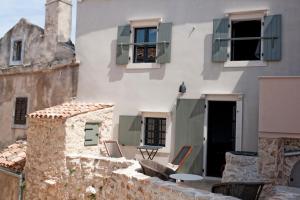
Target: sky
x: 11, y: 11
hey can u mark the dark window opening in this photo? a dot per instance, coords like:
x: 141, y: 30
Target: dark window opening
x: 247, y: 49
x: 20, y: 111
x: 17, y: 50
x: 145, y: 53
x: 155, y: 131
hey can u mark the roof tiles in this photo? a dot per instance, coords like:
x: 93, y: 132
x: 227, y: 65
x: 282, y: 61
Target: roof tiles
x: 67, y: 110
x: 14, y: 156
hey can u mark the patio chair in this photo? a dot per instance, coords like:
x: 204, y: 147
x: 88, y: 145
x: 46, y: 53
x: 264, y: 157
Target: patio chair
x: 242, y: 190
x: 153, y: 168
x: 113, y: 149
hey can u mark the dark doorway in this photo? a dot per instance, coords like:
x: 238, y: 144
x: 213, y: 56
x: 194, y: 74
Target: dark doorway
x: 221, y: 135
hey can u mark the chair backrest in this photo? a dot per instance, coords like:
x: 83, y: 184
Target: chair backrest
x: 245, y: 191
x: 113, y: 149
x: 182, y: 155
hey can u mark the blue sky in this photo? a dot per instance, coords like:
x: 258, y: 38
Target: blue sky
x: 11, y: 11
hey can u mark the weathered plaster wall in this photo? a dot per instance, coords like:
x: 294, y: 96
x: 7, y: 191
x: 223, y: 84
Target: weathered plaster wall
x: 44, y: 87
x: 9, y: 187
x: 39, y: 50
x: 48, y: 73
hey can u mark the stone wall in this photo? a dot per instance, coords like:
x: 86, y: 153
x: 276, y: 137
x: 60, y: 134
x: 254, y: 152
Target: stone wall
x: 75, y: 131
x: 45, y: 156
x: 241, y: 169
x: 108, y: 178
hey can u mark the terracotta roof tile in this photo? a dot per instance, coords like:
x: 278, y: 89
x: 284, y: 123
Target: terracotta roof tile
x: 67, y: 110
x: 14, y: 156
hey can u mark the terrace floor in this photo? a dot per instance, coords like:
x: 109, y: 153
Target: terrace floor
x: 204, y: 184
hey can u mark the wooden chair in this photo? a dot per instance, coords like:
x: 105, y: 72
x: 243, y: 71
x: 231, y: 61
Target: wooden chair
x: 242, y: 190
x: 153, y: 168
x: 113, y: 149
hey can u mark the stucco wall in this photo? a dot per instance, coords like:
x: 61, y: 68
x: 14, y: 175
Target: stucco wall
x: 135, y: 90
x: 279, y: 110
x: 9, y: 187
x: 44, y: 87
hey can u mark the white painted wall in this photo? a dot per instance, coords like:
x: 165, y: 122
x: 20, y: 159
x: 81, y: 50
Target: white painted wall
x: 135, y: 90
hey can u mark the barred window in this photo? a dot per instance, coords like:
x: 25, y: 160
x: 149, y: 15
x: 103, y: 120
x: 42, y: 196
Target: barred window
x: 20, y: 110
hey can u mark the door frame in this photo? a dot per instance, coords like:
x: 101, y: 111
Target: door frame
x: 238, y: 98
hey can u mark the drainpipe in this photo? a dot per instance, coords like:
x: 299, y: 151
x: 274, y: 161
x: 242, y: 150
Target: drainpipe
x: 20, y: 176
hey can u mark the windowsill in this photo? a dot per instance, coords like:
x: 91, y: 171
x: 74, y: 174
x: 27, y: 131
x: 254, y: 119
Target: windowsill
x: 252, y: 63
x: 143, y: 66
x: 19, y: 126
x: 15, y: 63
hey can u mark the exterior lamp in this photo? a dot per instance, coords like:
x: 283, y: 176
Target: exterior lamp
x: 182, y: 88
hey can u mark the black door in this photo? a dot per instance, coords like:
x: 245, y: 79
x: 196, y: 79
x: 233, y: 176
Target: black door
x: 221, y: 135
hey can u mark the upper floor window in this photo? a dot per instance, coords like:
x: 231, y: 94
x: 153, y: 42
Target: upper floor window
x: 20, y: 110
x: 247, y: 37
x: 246, y: 40
x: 145, y: 41
x: 145, y: 45
x: 16, y: 54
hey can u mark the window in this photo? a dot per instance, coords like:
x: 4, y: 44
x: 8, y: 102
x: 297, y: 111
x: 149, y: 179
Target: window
x: 246, y: 40
x: 155, y: 131
x: 144, y: 42
x: 20, y: 111
x: 145, y: 45
x: 16, y: 52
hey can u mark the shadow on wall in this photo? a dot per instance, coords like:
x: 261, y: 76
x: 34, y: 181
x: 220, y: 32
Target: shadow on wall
x: 116, y: 72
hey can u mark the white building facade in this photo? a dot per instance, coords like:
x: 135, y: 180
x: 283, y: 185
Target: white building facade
x: 136, y: 54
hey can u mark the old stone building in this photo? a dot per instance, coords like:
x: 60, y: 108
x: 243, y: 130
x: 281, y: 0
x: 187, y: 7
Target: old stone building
x: 37, y: 69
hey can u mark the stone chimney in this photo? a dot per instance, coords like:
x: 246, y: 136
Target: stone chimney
x: 58, y: 22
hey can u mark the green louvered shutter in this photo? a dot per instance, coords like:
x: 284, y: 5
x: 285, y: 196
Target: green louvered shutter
x: 272, y: 47
x: 123, y: 41
x: 164, y: 38
x: 219, y: 47
x: 130, y: 128
x: 189, y: 131
x: 91, y: 134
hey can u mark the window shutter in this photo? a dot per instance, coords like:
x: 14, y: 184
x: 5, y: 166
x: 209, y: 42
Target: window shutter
x: 164, y: 43
x: 123, y: 41
x: 20, y: 110
x: 272, y: 47
x: 91, y: 134
x: 130, y: 128
x: 190, y: 115
x: 219, y: 47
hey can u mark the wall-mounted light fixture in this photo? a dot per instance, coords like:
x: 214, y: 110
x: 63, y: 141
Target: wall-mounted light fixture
x: 182, y: 88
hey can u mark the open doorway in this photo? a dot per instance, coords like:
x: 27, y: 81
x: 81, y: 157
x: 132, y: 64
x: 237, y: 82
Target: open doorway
x: 221, y: 135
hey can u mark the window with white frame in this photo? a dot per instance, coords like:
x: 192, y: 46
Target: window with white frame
x: 247, y: 37
x: 245, y: 40
x: 16, y: 52
x: 145, y: 39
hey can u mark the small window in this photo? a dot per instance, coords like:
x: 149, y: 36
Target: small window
x: 155, y: 131
x: 17, y: 50
x: 145, y: 45
x: 20, y: 111
x: 246, y: 40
